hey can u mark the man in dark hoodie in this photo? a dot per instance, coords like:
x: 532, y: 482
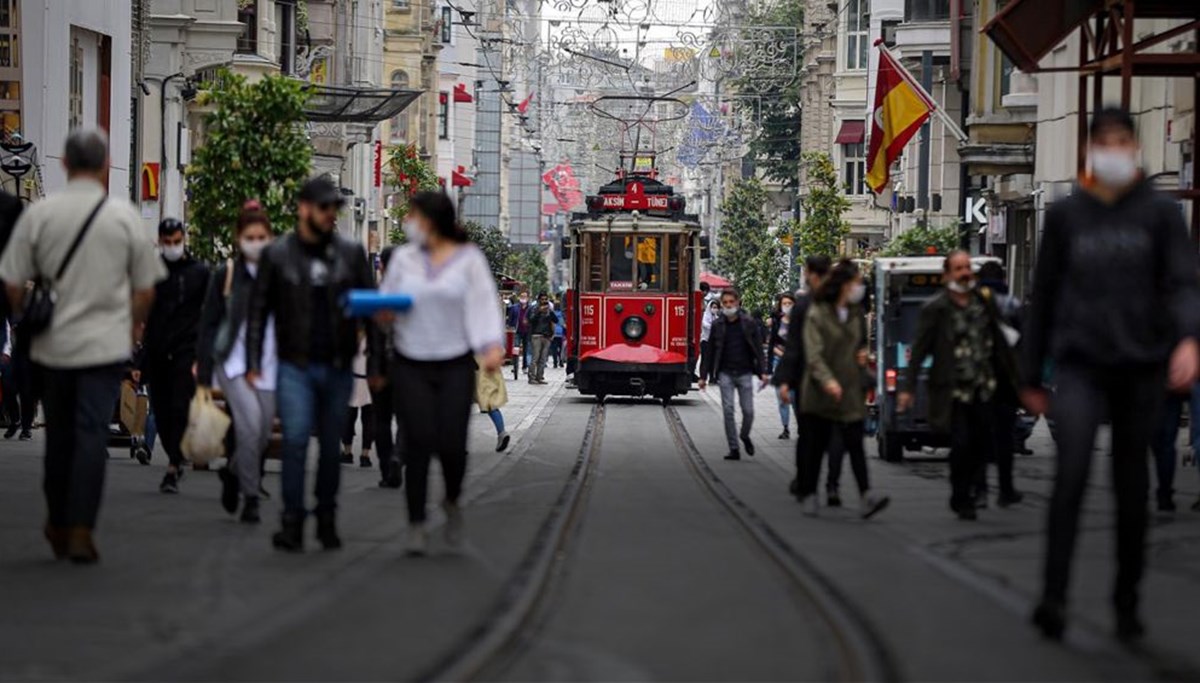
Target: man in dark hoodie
x: 1114, y: 342
x: 169, y: 349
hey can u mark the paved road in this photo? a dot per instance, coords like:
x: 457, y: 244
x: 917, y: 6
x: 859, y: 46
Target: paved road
x: 655, y: 579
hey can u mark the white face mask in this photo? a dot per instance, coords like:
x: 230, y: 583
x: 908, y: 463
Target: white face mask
x: 414, y: 233
x: 786, y: 308
x: 1114, y: 168
x: 857, y: 291
x: 730, y: 311
x: 252, y: 249
x: 172, y: 252
x: 959, y: 288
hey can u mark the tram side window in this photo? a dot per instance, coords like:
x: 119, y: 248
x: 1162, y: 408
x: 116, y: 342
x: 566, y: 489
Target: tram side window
x: 678, y: 265
x: 593, y: 262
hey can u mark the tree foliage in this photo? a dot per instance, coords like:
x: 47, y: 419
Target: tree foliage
x: 776, y: 149
x: 409, y: 174
x: 922, y: 240
x: 255, y: 147
x: 528, y: 266
x: 748, y: 254
x: 824, y: 229
x: 494, y: 245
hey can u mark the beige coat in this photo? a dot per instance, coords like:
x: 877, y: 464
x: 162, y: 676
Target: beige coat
x: 490, y: 390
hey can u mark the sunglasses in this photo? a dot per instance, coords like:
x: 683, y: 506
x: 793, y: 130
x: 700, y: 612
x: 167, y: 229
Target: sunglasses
x: 329, y: 207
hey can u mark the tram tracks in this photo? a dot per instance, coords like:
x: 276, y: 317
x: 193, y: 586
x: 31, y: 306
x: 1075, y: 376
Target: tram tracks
x: 520, y: 615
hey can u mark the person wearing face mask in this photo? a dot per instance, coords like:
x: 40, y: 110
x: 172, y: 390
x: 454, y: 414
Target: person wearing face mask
x: 780, y: 324
x: 302, y: 280
x: 1117, y: 343
x: 972, y: 366
x: 221, y: 354
x: 735, y: 358
x: 453, y: 327
x: 169, y: 349
x: 832, y: 390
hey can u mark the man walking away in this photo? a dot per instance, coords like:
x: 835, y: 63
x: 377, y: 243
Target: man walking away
x: 169, y: 351
x: 541, y: 330
x: 789, y: 374
x: 992, y: 279
x: 518, y: 319
x: 302, y: 280
x: 1114, y: 342
x: 972, y: 363
x: 103, y: 296
x: 379, y: 359
x: 735, y: 358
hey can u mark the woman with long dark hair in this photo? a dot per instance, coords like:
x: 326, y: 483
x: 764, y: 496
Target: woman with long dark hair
x: 832, y: 392
x: 454, y: 320
x: 221, y: 351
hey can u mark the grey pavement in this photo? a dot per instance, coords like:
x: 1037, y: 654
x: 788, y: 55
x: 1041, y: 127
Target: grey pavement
x: 659, y: 583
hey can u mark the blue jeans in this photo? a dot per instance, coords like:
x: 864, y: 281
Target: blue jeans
x: 315, y: 396
x: 1165, y: 453
x: 497, y: 420
x: 743, y: 387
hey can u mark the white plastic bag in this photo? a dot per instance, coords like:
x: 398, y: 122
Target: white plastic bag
x: 204, y: 438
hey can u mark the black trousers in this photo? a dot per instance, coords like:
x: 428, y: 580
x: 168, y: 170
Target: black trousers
x: 1132, y: 397
x: 384, y: 414
x: 817, y: 434
x: 368, y: 423
x: 171, y: 389
x: 79, y: 404
x: 1004, y: 422
x: 434, y: 399
x: 23, y: 386
x: 972, y: 438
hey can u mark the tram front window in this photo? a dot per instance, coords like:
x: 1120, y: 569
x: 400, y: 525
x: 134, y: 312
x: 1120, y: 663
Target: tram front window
x: 633, y: 263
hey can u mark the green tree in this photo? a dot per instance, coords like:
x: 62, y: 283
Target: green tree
x: 824, y: 229
x: 255, y: 147
x: 922, y: 240
x: 494, y: 245
x: 528, y: 266
x: 748, y: 254
x: 409, y: 174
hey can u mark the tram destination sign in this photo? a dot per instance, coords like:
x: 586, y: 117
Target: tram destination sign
x: 630, y: 202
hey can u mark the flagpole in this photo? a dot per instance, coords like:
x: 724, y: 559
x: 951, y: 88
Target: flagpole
x: 937, y: 108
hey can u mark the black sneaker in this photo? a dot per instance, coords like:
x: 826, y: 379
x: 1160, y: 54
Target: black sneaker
x: 784, y: 435
x: 748, y: 444
x: 229, y: 490
x: 1010, y: 499
x: 347, y: 458
x: 290, y: 537
x: 965, y: 512
x: 1051, y: 620
x: 327, y: 530
x: 250, y: 513
x: 12, y: 431
x: 364, y: 461
x: 833, y: 500
x: 170, y: 483
x: 26, y: 435
x: 734, y: 455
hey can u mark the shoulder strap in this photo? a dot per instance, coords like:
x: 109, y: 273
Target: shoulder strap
x: 62, y: 268
x: 228, y: 278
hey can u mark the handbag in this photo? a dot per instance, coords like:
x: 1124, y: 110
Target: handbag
x: 38, y: 310
x: 204, y: 439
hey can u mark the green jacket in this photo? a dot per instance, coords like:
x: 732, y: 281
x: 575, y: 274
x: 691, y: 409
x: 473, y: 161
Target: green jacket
x: 830, y: 347
x: 935, y: 338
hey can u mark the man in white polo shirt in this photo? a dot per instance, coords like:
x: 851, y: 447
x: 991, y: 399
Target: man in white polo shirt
x: 102, y: 298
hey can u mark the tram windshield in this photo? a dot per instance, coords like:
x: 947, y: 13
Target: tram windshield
x: 639, y: 262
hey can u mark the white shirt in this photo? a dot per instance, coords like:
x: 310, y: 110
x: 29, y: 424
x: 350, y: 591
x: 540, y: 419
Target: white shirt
x: 454, y: 310
x: 706, y: 322
x: 235, y: 364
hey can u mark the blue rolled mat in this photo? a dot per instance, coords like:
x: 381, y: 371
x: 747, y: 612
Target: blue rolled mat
x: 366, y: 302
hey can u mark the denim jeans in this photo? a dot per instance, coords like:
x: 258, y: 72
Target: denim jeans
x: 743, y: 385
x: 1166, y: 456
x: 308, y: 397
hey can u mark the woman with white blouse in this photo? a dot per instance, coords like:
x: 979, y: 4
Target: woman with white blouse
x: 453, y: 320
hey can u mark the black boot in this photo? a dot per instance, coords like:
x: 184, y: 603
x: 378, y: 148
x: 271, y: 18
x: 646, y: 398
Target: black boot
x: 290, y: 537
x: 327, y: 530
x: 250, y: 511
x: 1051, y: 620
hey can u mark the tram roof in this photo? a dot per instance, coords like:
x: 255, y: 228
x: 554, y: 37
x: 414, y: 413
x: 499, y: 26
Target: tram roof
x: 629, y: 224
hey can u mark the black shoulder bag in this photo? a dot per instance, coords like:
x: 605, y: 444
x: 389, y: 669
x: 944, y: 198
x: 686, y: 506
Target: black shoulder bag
x: 38, y: 310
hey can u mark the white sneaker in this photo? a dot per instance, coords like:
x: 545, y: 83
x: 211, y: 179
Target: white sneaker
x: 810, y: 505
x: 418, y: 541
x: 454, y: 524
x: 873, y: 503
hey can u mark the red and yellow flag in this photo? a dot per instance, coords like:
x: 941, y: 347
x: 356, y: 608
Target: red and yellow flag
x: 900, y: 110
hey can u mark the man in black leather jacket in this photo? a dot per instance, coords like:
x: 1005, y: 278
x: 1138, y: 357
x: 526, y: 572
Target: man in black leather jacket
x: 302, y: 280
x: 169, y: 345
x: 735, y: 358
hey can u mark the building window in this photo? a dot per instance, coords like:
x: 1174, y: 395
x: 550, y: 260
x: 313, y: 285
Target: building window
x: 854, y: 166
x: 75, y: 86
x: 444, y: 115
x: 10, y: 71
x: 285, y: 27
x: 247, y: 42
x: 399, y: 124
x: 7, y: 11
x: 9, y: 51
x: 858, y: 26
x: 926, y: 10
x: 401, y: 4
x: 447, y: 25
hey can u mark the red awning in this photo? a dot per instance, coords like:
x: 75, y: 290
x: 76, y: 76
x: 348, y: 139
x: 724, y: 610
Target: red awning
x: 851, y: 133
x: 715, y: 281
x: 461, y: 94
x: 458, y: 178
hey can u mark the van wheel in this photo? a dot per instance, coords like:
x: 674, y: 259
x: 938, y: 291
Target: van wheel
x: 890, y: 449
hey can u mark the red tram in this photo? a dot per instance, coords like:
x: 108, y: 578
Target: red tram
x: 633, y: 308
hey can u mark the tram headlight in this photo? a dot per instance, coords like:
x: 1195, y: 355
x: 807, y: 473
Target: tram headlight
x: 634, y: 328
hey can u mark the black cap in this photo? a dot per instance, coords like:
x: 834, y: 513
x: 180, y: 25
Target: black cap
x: 169, y: 226
x: 322, y: 190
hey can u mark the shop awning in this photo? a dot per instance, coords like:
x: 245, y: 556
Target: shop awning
x: 851, y: 133
x: 715, y: 281
x: 461, y: 95
x: 340, y: 104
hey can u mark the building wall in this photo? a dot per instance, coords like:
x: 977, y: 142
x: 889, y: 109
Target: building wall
x: 46, y: 28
